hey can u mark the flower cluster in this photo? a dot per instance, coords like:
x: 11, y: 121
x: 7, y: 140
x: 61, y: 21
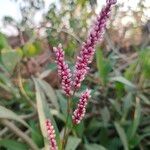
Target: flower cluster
x: 63, y: 70
x: 51, y: 135
x: 84, y: 58
x: 88, y: 48
x: 81, y: 108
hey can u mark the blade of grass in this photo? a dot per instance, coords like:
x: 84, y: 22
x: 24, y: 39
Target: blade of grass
x: 122, y: 135
x: 19, y: 133
x: 8, y: 114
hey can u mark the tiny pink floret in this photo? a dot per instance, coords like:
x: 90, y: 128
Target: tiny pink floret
x: 63, y: 70
x: 51, y: 135
x: 79, y: 113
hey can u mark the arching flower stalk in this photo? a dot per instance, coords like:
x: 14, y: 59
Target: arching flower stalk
x: 51, y: 135
x: 88, y: 47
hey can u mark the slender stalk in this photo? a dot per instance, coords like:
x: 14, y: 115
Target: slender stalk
x: 69, y: 112
x: 67, y: 119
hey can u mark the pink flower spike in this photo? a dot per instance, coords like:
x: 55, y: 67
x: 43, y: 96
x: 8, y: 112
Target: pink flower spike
x: 51, y: 135
x: 63, y: 70
x: 79, y: 113
x: 88, y: 47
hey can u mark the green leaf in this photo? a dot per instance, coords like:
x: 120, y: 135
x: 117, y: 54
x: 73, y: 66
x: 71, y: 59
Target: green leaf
x: 3, y: 41
x: 116, y: 106
x: 79, y: 129
x: 145, y: 62
x: 105, y: 116
x: 13, y: 145
x: 72, y: 143
x: 145, y: 99
x: 8, y: 114
x: 41, y: 112
x: 119, y: 87
x: 129, y: 73
x: 94, y: 147
x: 31, y: 49
x: 134, y: 142
x: 44, y: 113
x: 49, y: 92
x: 81, y: 2
x: 114, y: 144
x: 122, y: 135
x: 10, y: 58
x: 136, y: 121
x: 37, y: 44
x: 127, y: 101
x: 104, y: 136
x: 62, y: 102
x: 144, y: 136
x: 93, y: 126
x: 103, y: 66
x: 127, y: 104
x: 122, y: 80
x: 70, y: 49
x: 36, y: 134
x: 8, y: 86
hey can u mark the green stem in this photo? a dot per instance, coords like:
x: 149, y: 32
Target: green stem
x: 66, y: 123
x: 69, y: 112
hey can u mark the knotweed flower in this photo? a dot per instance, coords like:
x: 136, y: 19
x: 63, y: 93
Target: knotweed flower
x: 88, y: 48
x: 51, y: 135
x: 63, y: 70
x: 79, y: 113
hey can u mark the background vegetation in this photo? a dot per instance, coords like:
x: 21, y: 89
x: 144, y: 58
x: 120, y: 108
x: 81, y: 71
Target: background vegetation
x: 118, y: 114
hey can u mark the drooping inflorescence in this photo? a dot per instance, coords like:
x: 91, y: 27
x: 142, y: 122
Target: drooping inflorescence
x: 88, y: 47
x: 79, y: 113
x: 51, y: 135
x: 63, y: 70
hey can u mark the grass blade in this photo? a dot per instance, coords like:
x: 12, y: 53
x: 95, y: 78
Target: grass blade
x: 122, y: 135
